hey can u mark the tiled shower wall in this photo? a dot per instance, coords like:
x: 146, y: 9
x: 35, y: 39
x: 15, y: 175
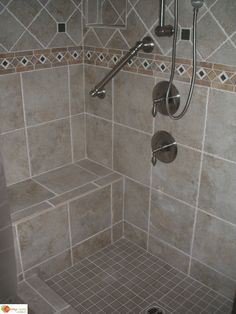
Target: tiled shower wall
x: 33, y: 24
x: 216, y: 29
x: 183, y: 212
x: 7, y: 266
x: 42, y: 120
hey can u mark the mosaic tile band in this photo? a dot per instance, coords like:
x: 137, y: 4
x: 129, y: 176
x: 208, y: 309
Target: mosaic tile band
x: 39, y: 59
x: 208, y: 74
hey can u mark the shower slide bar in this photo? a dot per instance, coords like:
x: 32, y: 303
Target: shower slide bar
x: 147, y: 45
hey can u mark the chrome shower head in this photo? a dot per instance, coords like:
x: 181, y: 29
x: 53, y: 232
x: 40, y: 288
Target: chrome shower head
x: 197, y: 4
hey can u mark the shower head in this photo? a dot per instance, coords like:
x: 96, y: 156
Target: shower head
x: 197, y: 4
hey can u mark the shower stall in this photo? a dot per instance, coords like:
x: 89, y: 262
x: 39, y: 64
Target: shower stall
x: 118, y: 159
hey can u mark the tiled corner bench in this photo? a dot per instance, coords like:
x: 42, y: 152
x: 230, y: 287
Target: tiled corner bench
x: 64, y: 215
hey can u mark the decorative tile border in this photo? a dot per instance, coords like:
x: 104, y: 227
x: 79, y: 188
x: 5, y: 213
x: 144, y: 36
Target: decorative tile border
x: 208, y: 74
x: 39, y: 59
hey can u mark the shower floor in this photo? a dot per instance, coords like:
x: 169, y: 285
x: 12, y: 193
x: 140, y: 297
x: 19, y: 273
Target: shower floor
x: 123, y: 278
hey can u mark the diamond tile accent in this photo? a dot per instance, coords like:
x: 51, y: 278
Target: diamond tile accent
x: 162, y: 67
x: 75, y: 55
x: 24, y: 61
x: 223, y: 77
x: 59, y: 57
x: 88, y: 55
x: 141, y: 16
x: 145, y: 64
x: 42, y: 59
x: 181, y: 69
x: 220, y: 79
x: 130, y: 62
x: 101, y: 57
x: 115, y: 59
x: 201, y: 73
x: 5, y: 63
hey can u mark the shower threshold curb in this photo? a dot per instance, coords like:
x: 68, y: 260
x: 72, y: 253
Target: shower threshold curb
x: 37, y: 294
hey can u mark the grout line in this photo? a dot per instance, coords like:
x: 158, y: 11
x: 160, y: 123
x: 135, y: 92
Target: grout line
x: 219, y: 157
x: 34, y: 215
x: 220, y: 26
x: 111, y: 199
x: 34, y: 205
x: 123, y: 209
x: 12, y: 131
x: 70, y: 118
x: 47, y: 260
x: 166, y: 194
x: 217, y: 217
x: 85, y: 117
x: 199, y: 182
x: 217, y: 49
x: 45, y: 187
x: 150, y: 134
x: 112, y: 126
x: 137, y: 227
x: 90, y: 171
x: 42, y: 297
x: 26, y: 29
x: 25, y: 126
x: 19, y: 250
x: 170, y: 246
x: 146, y: 185
x: 94, y: 235
x: 70, y: 234
x: 45, y: 172
x: 47, y: 122
x: 117, y: 123
x: 215, y: 270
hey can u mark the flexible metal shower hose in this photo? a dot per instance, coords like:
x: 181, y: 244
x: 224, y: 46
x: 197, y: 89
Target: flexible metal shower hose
x: 193, y: 78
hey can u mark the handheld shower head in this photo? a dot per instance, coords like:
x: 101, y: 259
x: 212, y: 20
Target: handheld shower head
x: 197, y: 4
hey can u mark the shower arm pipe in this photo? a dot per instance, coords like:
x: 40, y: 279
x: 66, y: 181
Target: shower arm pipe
x: 147, y: 45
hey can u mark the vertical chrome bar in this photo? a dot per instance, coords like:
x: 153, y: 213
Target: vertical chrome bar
x: 162, y: 29
x: 162, y: 13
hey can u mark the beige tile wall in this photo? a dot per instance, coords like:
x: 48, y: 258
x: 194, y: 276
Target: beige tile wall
x: 33, y: 24
x: 216, y: 30
x: 49, y: 239
x: 184, y: 212
x: 7, y: 265
x: 42, y: 120
x: 187, y: 211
